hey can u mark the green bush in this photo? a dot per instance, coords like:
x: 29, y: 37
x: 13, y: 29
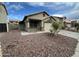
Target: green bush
x: 56, y: 26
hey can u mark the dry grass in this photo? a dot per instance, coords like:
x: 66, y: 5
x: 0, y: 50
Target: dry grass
x: 42, y: 45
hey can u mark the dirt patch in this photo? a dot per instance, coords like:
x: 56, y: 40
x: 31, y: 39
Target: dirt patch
x: 38, y: 45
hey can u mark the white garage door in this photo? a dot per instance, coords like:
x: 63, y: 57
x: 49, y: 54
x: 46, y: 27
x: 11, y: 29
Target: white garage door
x: 47, y: 26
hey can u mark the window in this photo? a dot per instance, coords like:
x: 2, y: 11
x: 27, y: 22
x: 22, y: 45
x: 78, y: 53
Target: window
x: 43, y: 15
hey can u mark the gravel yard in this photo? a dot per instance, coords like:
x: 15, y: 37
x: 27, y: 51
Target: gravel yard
x: 38, y: 45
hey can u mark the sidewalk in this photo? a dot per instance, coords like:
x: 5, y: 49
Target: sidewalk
x: 29, y: 33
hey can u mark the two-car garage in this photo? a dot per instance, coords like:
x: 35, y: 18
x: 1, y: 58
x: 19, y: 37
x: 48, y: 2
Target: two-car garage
x: 3, y: 27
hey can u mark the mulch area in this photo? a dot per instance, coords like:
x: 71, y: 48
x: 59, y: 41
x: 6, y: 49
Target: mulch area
x: 37, y: 45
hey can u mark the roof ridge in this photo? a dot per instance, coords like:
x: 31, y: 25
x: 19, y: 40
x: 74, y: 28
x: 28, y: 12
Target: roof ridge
x: 35, y: 13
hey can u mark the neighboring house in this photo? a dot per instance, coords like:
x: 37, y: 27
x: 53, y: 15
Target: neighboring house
x: 70, y: 24
x: 3, y: 18
x: 13, y: 22
x: 67, y: 23
x: 13, y: 25
x: 40, y: 21
x: 58, y: 18
x: 73, y: 23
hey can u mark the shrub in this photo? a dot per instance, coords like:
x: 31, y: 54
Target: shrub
x: 56, y: 26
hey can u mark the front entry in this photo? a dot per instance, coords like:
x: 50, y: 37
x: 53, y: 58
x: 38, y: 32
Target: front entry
x: 35, y: 25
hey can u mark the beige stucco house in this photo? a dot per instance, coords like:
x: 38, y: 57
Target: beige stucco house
x: 40, y: 21
x: 3, y: 18
x: 70, y: 24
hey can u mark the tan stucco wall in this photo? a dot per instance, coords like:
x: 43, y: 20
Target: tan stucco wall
x: 47, y: 26
x: 38, y: 16
x: 68, y: 25
x: 26, y: 22
x: 35, y: 17
x: 56, y: 18
x: 46, y: 19
x: 3, y: 16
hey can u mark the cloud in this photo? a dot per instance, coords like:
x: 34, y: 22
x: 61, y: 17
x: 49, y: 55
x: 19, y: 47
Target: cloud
x: 58, y: 15
x: 53, y: 5
x: 16, y: 7
x: 6, y: 3
x: 65, y: 3
x: 50, y: 3
x: 62, y: 5
x: 71, y: 10
x: 36, y: 3
x: 15, y: 17
x: 74, y: 12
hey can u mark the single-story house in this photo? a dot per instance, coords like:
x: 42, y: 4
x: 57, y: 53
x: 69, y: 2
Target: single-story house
x: 13, y: 22
x: 70, y: 24
x: 40, y: 21
x: 67, y: 23
x: 3, y: 18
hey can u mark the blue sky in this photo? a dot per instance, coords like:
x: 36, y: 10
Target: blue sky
x: 17, y: 10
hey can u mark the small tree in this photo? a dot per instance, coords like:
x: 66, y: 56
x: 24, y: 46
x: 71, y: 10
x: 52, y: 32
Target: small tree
x: 56, y: 26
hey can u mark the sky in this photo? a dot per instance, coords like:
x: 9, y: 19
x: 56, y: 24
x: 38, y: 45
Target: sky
x: 17, y: 10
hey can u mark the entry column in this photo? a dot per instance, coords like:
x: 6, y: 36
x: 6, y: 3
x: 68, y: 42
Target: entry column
x: 42, y: 25
x: 27, y: 25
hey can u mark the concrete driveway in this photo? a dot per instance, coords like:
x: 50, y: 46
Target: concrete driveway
x: 73, y: 35
x: 70, y: 34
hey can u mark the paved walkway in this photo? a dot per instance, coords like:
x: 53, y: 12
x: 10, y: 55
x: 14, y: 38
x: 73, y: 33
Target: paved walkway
x: 28, y: 33
x: 73, y: 35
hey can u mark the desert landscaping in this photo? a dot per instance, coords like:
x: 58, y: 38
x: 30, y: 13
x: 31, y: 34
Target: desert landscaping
x: 37, y: 45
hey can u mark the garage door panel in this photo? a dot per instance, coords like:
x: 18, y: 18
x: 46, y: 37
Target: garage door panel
x: 47, y: 26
